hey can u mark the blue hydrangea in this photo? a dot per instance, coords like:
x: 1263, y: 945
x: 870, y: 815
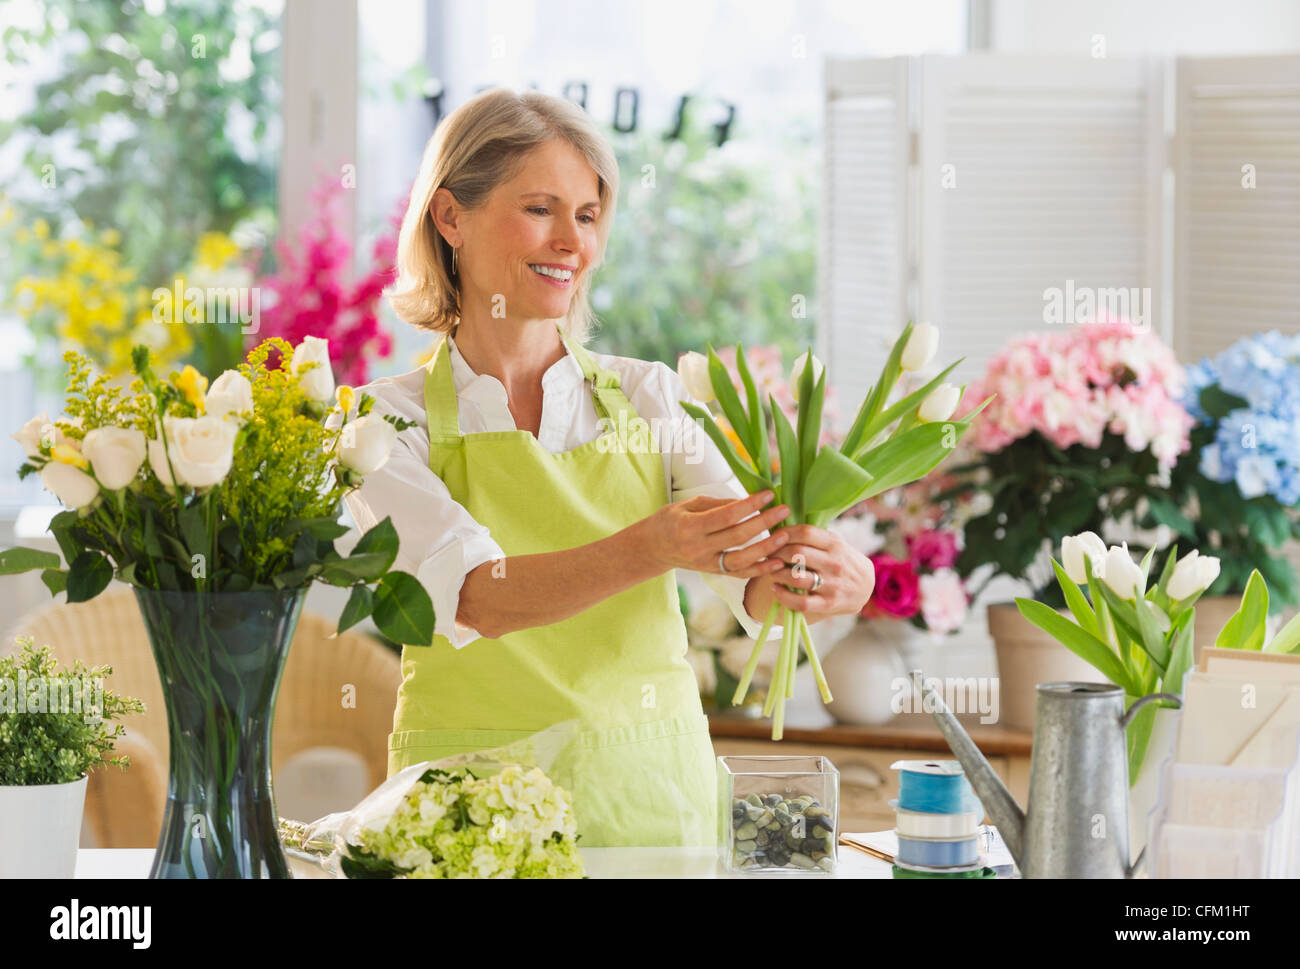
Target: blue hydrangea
x: 1257, y: 446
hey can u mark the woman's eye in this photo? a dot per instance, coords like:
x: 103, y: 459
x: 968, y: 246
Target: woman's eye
x: 542, y: 210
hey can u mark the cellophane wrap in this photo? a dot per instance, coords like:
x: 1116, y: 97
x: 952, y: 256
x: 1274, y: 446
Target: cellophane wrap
x: 329, y: 840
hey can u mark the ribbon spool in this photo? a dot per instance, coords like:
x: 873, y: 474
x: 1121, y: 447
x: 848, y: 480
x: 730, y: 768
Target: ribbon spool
x: 935, y: 787
x: 954, y: 853
x: 925, y: 825
x: 901, y: 871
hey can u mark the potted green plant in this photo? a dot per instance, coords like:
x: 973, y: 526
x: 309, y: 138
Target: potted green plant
x: 1085, y: 427
x: 55, y: 727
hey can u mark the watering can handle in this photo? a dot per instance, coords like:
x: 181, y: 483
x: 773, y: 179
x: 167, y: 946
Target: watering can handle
x: 1138, y: 704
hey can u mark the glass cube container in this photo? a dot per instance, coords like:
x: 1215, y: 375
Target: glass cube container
x: 778, y: 813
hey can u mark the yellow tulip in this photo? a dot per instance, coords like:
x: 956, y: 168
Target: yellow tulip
x: 192, y: 385
x: 345, y: 396
x: 67, y: 454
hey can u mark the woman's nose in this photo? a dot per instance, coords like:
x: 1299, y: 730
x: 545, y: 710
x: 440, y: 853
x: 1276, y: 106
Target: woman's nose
x: 568, y: 234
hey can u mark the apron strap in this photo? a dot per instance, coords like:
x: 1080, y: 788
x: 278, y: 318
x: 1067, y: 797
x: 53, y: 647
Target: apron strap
x: 442, y: 409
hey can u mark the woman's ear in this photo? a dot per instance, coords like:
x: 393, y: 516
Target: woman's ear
x: 444, y: 211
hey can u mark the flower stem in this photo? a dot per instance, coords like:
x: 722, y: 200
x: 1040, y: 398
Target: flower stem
x: 777, y: 687
x: 747, y: 676
x: 813, y: 661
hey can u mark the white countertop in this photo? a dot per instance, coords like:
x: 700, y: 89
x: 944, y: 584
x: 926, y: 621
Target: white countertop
x: 600, y: 863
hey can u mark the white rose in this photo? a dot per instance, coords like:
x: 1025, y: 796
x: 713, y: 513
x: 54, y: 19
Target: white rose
x: 1194, y: 573
x: 939, y: 405
x: 693, y: 369
x: 231, y: 393
x: 921, y: 346
x: 30, y: 435
x: 317, y: 383
x: 1075, y: 548
x: 796, y: 372
x: 201, y: 450
x: 1122, y: 573
x: 712, y: 620
x: 364, y: 444
x: 70, y: 484
x: 115, y: 453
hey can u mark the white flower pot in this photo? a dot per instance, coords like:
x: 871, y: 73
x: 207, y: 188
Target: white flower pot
x: 40, y: 829
x: 1142, y: 796
x: 865, y: 669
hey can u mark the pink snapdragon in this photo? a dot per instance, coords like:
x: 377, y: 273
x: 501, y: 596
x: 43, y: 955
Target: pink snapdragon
x: 313, y: 294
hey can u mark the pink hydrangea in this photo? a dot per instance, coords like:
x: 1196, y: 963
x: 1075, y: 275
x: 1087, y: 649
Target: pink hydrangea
x: 943, y: 601
x: 1074, y: 385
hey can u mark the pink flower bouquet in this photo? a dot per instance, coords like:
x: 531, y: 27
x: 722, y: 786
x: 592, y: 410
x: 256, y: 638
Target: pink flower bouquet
x: 1085, y: 424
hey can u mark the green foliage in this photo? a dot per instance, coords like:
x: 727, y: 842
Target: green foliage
x: 66, y: 732
x: 714, y: 250
x: 1039, y: 494
x: 155, y: 78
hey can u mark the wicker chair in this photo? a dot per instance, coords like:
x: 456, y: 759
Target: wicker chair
x: 124, y: 808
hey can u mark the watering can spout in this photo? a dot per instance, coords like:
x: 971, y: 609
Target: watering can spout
x: 993, y: 794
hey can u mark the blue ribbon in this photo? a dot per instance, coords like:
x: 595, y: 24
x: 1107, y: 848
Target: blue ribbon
x: 938, y: 854
x: 936, y: 793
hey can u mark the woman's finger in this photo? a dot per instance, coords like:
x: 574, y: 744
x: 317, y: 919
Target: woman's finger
x: 742, y: 533
x: 813, y: 537
x: 798, y: 601
x: 734, y: 511
x: 750, y: 556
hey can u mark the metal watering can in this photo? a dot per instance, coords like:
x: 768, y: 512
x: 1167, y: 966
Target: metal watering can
x: 1077, y: 824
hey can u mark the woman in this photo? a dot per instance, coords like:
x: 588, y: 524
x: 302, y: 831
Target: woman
x: 547, y: 546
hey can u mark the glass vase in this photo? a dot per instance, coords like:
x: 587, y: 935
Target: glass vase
x: 220, y: 657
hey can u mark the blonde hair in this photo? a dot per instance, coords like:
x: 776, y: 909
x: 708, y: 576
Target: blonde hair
x: 477, y: 147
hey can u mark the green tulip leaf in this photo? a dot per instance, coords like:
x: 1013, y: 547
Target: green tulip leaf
x: 752, y: 482
x: 1080, y: 642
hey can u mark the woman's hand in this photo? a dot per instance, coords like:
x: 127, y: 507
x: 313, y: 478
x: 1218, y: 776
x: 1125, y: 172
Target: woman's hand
x: 690, y: 534
x: 847, y: 576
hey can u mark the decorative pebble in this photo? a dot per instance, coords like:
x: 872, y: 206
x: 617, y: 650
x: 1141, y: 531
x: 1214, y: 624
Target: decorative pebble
x: 774, y: 832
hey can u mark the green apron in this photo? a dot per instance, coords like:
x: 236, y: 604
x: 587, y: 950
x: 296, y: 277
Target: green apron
x: 642, y: 770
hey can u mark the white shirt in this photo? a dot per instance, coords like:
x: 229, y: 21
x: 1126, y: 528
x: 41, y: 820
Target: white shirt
x: 440, y: 542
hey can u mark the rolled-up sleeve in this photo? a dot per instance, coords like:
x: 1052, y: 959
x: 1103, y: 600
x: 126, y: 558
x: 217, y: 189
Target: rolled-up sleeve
x: 699, y: 469
x: 439, y: 541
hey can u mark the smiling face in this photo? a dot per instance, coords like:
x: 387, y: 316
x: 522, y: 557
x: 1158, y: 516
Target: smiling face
x: 542, y: 219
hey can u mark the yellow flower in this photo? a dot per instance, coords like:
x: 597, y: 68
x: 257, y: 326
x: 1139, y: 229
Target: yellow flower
x: 735, y: 440
x: 41, y: 228
x: 192, y: 385
x: 67, y: 454
x: 110, y: 237
x: 214, y: 250
x: 345, y: 396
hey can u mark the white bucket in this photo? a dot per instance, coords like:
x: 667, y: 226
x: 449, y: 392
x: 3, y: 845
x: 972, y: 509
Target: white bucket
x: 40, y: 829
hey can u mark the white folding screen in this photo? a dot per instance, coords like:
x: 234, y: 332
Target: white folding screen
x: 864, y: 265
x: 959, y: 189
x: 1237, y: 200
x: 1036, y: 174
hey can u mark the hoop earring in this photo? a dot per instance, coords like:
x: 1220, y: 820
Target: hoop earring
x: 453, y: 260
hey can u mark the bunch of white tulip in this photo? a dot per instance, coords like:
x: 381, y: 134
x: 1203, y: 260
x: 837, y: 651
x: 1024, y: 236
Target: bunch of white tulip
x: 1138, y: 636
x: 889, y: 445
